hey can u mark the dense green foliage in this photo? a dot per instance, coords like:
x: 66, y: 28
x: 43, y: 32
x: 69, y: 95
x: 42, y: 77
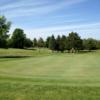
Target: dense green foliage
x: 91, y: 44
x: 18, y: 39
x: 28, y: 43
x: 52, y: 43
x: 35, y: 43
x: 74, y: 42
x: 4, y: 29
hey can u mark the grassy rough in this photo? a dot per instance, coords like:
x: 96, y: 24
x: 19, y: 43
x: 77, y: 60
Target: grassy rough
x: 50, y: 76
x: 11, y: 53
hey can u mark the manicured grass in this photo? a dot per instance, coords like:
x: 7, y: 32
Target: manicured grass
x: 52, y: 76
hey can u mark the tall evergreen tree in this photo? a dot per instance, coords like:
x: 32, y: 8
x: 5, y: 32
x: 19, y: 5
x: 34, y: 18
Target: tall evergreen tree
x: 63, y: 43
x: 52, y: 43
x: 35, y: 43
x: 47, y: 42
x: 58, y: 43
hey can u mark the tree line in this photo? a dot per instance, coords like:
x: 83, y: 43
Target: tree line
x: 18, y: 39
x: 71, y: 43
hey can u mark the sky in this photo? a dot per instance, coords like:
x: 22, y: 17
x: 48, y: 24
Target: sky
x: 42, y: 18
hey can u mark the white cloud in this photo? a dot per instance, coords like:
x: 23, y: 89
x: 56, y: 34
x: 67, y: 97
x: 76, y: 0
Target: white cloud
x: 85, y: 30
x: 67, y: 27
x: 29, y: 7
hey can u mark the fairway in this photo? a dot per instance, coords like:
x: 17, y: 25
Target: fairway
x: 60, y: 76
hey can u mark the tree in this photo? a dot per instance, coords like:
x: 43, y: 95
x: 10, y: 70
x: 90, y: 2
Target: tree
x: 52, y: 43
x: 4, y: 29
x: 63, y: 43
x: 98, y: 44
x: 90, y: 44
x: 9, y: 43
x: 18, y: 38
x: 35, y: 43
x: 41, y: 42
x: 28, y: 43
x: 47, y: 42
x: 58, y: 43
x: 74, y: 42
x: 67, y: 44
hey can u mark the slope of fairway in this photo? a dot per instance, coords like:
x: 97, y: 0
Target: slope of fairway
x: 51, y: 77
x: 76, y: 68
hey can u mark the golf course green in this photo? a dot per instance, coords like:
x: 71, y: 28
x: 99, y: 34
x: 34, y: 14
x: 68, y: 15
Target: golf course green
x: 49, y: 76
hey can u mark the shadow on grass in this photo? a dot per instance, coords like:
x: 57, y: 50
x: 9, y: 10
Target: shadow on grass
x: 30, y: 49
x: 15, y: 56
x: 86, y: 51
